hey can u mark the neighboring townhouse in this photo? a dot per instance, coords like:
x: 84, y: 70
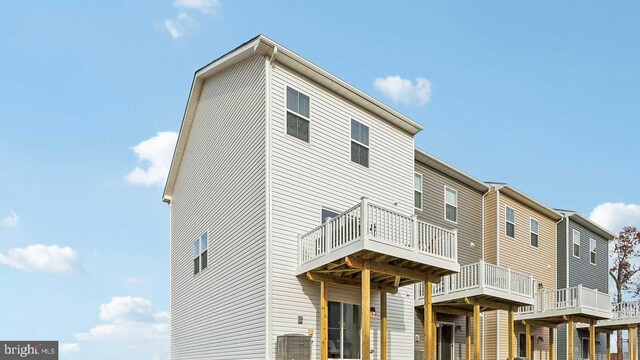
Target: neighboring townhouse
x: 453, y: 200
x: 291, y: 198
x: 583, y: 259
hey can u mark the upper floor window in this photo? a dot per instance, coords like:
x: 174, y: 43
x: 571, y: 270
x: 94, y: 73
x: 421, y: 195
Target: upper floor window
x: 328, y: 214
x: 592, y: 251
x: 297, y: 114
x: 534, y: 232
x: 417, y: 194
x: 359, y: 143
x: 200, y: 247
x: 450, y: 204
x: 576, y: 243
x: 510, y: 218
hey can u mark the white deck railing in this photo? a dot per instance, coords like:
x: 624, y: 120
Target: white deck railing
x: 625, y: 310
x: 374, y: 222
x: 567, y: 299
x: 482, y: 275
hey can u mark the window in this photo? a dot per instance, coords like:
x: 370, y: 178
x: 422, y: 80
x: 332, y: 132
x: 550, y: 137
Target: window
x: 344, y: 331
x: 510, y: 217
x: 585, y: 348
x: 417, y: 194
x: 297, y: 114
x: 359, y: 143
x: 450, y: 204
x: 522, y: 345
x: 576, y: 243
x: 200, y: 247
x: 326, y: 213
x: 592, y: 250
x: 534, y: 232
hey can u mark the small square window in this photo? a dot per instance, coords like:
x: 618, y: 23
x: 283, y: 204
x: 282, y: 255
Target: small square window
x: 359, y: 143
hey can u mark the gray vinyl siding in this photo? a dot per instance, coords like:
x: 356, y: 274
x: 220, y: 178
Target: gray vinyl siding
x: 308, y: 176
x: 469, y: 223
x: 562, y: 254
x: 220, y: 313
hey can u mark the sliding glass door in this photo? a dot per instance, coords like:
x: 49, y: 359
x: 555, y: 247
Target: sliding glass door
x: 344, y: 331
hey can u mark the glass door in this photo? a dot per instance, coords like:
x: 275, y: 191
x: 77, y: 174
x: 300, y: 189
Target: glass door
x: 344, y: 331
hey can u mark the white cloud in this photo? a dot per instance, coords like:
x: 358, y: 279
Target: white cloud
x: 209, y: 7
x: 43, y: 258
x: 10, y: 220
x: 614, y: 216
x: 182, y: 25
x: 69, y: 348
x: 403, y: 91
x: 132, y: 323
x: 157, y: 151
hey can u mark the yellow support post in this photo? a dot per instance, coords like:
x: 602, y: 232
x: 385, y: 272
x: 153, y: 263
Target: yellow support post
x: 324, y: 321
x: 476, y: 332
x: 383, y: 325
x: 570, y: 329
x: 468, y: 333
x: 434, y: 335
x: 552, y: 350
x: 511, y: 335
x: 428, y: 321
x: 592, y: 340
x: 608, y: 346
x: 366, y: 313
x: 527, y: 330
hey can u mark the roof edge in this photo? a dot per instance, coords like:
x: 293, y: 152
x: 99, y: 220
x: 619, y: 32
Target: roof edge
x: 526, y: 200
x: 589, y: 224
x: 449, y: 170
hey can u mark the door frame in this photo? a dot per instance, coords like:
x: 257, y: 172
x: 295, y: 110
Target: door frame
x: 453, y: 339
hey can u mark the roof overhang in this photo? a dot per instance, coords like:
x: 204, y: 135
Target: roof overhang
x: 441, y: 166
x: 588, y: 224
x: 261, y: 45
x: 527, y: 200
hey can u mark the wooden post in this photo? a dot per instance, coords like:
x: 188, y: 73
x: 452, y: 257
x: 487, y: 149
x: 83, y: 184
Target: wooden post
x: 608, y: 346
x: 592, y: 340
x: 428, y: 321
x: 630, y: 339
x: 383, y: 325
x: 468, y: 328
x: 511, y: 335
x: 366, y: 312
x: 527, y: 330
x: 476, y: 332
x: 570, y: 329
x: 552, y: 350
x: 434, y: 335
x: 324, y: 321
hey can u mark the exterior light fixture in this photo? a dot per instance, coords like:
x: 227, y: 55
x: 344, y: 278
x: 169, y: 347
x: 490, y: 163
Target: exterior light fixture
x: 373, y: 311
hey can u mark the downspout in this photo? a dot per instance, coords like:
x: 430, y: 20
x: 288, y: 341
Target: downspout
x: 498, y: 264
x: 568, y: 258
x: 268, y: 210
x: 483, y: 229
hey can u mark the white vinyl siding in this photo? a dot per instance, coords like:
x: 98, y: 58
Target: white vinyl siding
x: 307, y: 177
x: 221, y: 313
x: 592, y: 251
x: 510, y: 219
x: 450, y: 204
x: 576, y: 243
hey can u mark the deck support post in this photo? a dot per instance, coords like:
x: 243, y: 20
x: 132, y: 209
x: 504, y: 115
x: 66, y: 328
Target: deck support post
x: 468, y: 333
x: 608, y: 346
x: 570, y: 330
x: 324, y: 321
x: 527, y: 330
x: 366, y: 313
x: 383, y: 325
x: 552, y: 340
x: 633, y: 343
x: 428, y: 320
x: 592, y: 340
x: 434, y: 335
x: 511, y: 335
x: 476, y: 332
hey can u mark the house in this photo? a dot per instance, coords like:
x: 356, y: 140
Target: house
x: 583, y: 259
x: 291, y: 198
x: 453, y: 200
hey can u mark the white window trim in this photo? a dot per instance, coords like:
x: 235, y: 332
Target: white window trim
x: 531, y: 219
x: 420, y: 190
x: 351, y: 139
x: 200, y: 253
x: 594, y: 250
x: 573, y: 243
x: 446, y: 203
x: 514, y: 223
x: 286, y: 110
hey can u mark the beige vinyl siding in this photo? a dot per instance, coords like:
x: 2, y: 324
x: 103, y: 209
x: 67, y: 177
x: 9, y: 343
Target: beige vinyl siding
x: 308, y: 176
x: 490, y: 244
x: 469, y: 222
x: 220, y: 313
x: 490, y: 332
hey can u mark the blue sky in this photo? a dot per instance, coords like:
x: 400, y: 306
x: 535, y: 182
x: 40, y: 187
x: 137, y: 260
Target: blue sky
x: 542, y: 95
